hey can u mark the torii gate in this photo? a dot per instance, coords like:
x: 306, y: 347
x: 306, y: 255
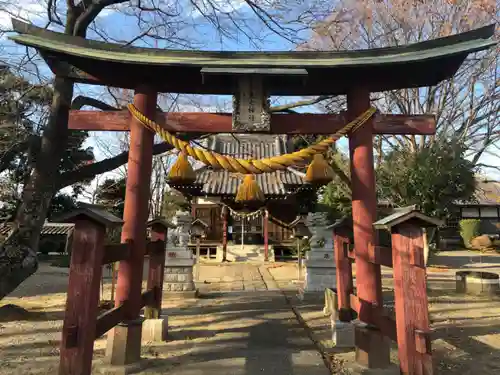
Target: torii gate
x: 251, y: 77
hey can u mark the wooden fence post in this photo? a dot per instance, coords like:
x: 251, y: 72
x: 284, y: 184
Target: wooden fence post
x: 79, y: 327
x: 265, y: 219
x: 344, y: 268
x: 410, y: 289
x: 224, y: 233
x: 156, y: 270
x: 412, y: 317
x: 81, y: 315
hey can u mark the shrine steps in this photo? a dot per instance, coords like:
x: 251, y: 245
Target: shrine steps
x: 247, y: 253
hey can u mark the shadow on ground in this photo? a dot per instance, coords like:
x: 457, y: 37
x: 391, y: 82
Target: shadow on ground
x: 465, y: 259
x: 250, y: 333
x: 11, y: 313
x: 234, y: 333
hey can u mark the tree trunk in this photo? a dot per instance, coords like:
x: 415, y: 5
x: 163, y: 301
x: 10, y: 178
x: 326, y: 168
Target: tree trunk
x: 18, y: 253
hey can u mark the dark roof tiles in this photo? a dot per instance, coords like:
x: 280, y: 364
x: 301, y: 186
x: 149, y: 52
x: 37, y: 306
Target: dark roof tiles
x: 48, y: 229
x: 93, y: 211
x: 247, y: 146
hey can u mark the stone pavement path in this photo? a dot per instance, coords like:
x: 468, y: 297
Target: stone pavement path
x: 238, y: 333
x: 241, y: 325
x: 232, y: 277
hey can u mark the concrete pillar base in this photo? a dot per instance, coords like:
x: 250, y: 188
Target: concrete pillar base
x: 372, y: 348
x: 124, y: 343
x: 155, y: 330
x: 343, y: 334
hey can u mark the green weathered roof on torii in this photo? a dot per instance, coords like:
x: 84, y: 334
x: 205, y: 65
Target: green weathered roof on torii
x: 415, y: 65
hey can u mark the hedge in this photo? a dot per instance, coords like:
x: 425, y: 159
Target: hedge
x: 469, y: 228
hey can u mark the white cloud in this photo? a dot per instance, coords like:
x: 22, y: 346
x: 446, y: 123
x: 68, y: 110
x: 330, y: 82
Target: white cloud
x: 35, y: 11
x: 28, y: 10
x: 222, y: 6
x: 493, y: 160
x: 115, y: 8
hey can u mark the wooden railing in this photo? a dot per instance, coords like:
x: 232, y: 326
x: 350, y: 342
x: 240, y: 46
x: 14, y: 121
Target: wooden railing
x: 410, y: 327
x: 82, y: 324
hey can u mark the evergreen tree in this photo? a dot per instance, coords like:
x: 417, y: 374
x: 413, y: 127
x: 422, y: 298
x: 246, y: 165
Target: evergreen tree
x: 111, y: 194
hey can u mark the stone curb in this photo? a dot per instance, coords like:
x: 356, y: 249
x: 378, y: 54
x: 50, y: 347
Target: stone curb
x: 268, y: 279
x: 328, y: 359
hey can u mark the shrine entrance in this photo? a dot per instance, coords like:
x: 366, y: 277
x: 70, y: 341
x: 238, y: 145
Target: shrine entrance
x: 252, y: 78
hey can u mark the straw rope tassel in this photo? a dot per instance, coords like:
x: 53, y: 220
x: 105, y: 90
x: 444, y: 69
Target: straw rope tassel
x: 249, y: 190
x: 182, y: 171
x: 243, y: 166
x: 319, y: 171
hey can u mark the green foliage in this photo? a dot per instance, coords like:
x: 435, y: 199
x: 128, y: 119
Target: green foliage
x: 469, y: 228
x: 75, y: 155
x: 52, y: 244
x: 173, y: 201
x: 111, y: 194
x: 23, y: 114
x: 434, y: 177
x: 60, y: 204
x: 303, y: 141
x: 337, y: 194
x: 334, y: 198
x: 20, y: 104
x: 305, y: 246
x: 338, y: 199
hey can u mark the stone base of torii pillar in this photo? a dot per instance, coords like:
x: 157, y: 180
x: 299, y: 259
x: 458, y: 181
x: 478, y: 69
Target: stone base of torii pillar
x: 320, y: 261
x: 179, y: 262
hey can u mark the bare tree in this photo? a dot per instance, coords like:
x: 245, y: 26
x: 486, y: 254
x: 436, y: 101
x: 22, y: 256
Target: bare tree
x: 159, y: 183
x: 157, y: 20
x: 466, y: 107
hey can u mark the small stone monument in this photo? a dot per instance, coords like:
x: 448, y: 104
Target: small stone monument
x: 342, y: 332
x: 179, y: 261
x: 320, y: 261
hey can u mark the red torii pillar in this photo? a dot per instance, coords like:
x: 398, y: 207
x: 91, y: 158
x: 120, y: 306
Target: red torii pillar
x: 364, y: 213
x: 124, y: 341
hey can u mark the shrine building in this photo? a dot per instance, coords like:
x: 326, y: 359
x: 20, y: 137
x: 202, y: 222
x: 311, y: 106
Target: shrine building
x: 250, y: 234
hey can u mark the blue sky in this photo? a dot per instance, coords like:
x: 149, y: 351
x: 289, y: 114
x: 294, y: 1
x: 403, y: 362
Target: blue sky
x: 191, y: 26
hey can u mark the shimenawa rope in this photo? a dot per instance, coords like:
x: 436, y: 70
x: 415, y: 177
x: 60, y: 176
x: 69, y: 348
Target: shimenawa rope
x: 235, y: 165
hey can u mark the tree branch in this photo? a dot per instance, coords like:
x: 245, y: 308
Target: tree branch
x: 8, y: 156
x: 301, y: 103
x: 81, y: 101
x: 91, y: 170
x: 89, y: 11
x: 488, y: 166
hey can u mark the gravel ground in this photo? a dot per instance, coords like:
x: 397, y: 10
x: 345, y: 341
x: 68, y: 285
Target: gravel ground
x: 466, y: 338
x: 238, y: 325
